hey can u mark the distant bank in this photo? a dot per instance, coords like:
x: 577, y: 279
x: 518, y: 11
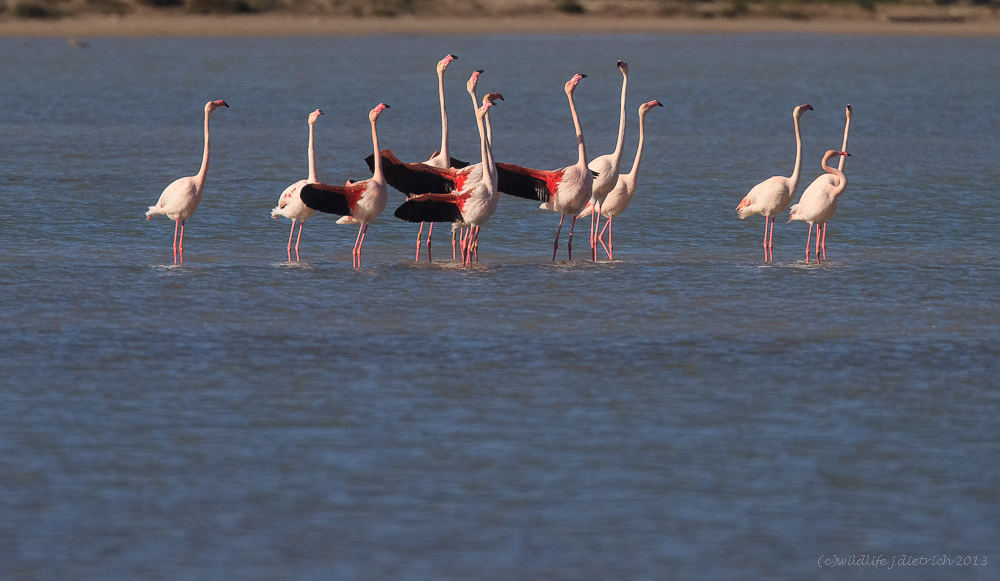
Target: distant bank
x: 923, y: 22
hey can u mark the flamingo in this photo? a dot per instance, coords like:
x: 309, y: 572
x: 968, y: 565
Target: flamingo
x: 290, y: 204
x: 363, y: 200
x: 471, y: 207
x: 607, y: 167
x: 619, y: 197
x: 819, y: 202
x: 773, y: 195
x: 564, y: 190
x: 832, y: 179
x: 180, y: 199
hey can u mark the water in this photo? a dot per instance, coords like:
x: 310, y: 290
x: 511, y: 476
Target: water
x: 683, y: 412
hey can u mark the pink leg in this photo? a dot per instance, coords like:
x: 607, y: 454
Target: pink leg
x: 362, y: 243
x: 453, y: 235
x: 593, y: 241
x: 177, y: 224
x: 290, y: 232
x: 808, y: 239
x: 766, y: 220
x: 600, y: 238
x: 180, y: 246
x: 419, y: 234
x: 611, y: 241
x: 770, y: 241
x: 569, y: 243
x: 475, y: 244
x: 354, y: 251
x: 298, y: 239
x: 824, y: 242
x: 818, y: 226
x: 555, y: 246
x: 430, y: 232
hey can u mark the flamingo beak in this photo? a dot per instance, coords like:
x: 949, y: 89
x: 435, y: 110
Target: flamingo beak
x: 807, y: 107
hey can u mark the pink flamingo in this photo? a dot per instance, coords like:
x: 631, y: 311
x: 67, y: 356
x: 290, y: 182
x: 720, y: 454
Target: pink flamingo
x: 363, y: 201
x: 607, y: 167
x: 619, y: 197
x: 180, y: 199
x: 290, y: 204
x: 831, y: 179
x: 819, y: 202
x: 471, y: 207
x: 773, y: 195
x: 566, y: 190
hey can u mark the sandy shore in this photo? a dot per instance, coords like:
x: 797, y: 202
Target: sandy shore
x: 178, y: 25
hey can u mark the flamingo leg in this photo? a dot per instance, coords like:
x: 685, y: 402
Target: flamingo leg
x: 555, y: 246
x: 569, y: 244
x: 297, y: 240
x: 766, y: 220
x: 818, y: 226
x: 419, y: 234
x: 807, y: 242
x: 364, y: 231
x: 475, y: 244
x: 290, y: 232
x: 453, y: 235
x: 180, y: 246
x: 611, y: 239
x: 824, y: 243
x: 770, y: 241
x: 430, y: 232
x: 177, y: 224
x: 596, y: 226
x: 354, y: 251
x: 600, y: 238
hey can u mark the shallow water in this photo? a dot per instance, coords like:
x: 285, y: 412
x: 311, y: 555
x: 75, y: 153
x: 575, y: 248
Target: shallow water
x: 685, y: 411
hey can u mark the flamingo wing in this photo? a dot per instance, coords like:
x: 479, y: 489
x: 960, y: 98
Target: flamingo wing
x: 339, y: 200
x: 458, y: 164
x: 432, y: 208
x: 413, y: 178
x: 523, y: 182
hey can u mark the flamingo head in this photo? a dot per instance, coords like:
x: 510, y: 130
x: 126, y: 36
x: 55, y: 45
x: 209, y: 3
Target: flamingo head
x: 834, y: 153
x: 572, y: 83
x: 491, y: 97
x: 623, y: 66
x: 802, y: 109
x: 481, y: 112
x: 443, y: 63
x: 645, y: 107
x: 373, y: 115
x: 213, y: 105
x: 850, y: 111
x: 314, y: 116
x: 473, y: 80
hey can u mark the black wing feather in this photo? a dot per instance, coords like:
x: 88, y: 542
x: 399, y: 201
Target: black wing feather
x: 323, y: 200
x: 410, y: 181
x: 519, y: 185
x: 428, y: 211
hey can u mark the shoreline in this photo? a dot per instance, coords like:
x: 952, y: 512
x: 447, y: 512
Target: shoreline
x: 286, y: 25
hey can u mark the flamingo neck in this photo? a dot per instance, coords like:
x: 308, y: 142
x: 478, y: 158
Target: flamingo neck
x: 839, y: 188
x: 843, y: 158
x: 200, y: 178
x: 489, y: 169
x: 798, y: 159
x: 638, y: 152
x: 620, y: 146
x: 582, y: 160
x: 444, y: 122
x: 377, y: 173
x: 312, y: 158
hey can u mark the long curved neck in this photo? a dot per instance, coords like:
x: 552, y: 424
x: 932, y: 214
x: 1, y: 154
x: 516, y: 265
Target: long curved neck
x: 582, y: 160
x: 444, y: 121
x: 488, y: 169
x: 638, y: 152
x: 377, y: 173
x: 312, y: 158
x: 843, y: 179
x: 798, y: 158
x: 200, y: 178
x: 843, y: 158
x: 620, y: 146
